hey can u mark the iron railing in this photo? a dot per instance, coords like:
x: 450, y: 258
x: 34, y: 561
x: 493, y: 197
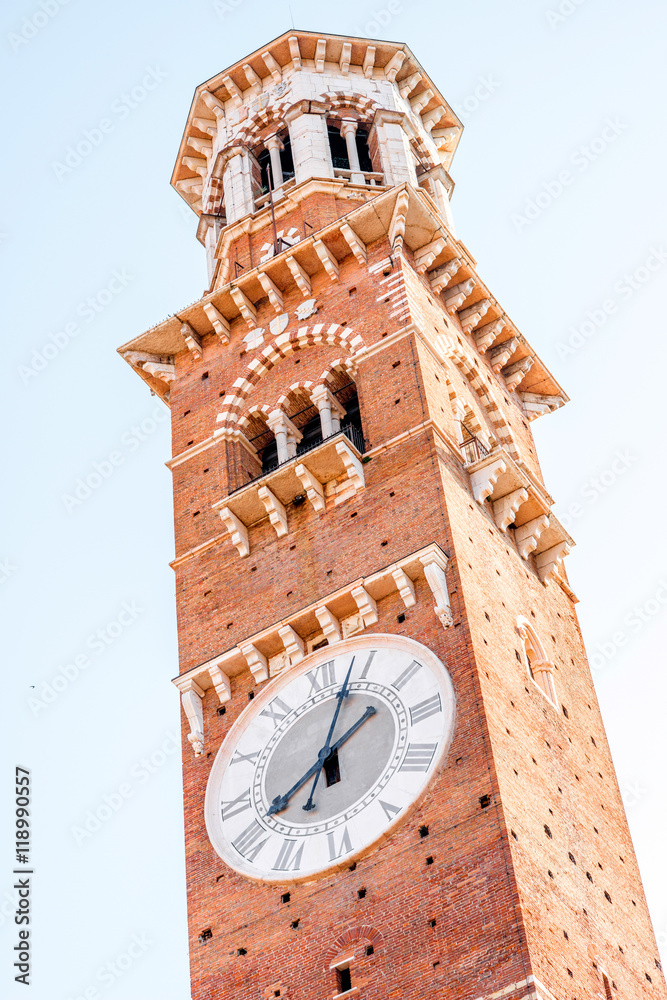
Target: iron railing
x: 471, y: 447
x: 350, y: 431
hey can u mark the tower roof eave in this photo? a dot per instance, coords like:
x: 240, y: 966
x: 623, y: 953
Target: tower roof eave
x: 432, y: 246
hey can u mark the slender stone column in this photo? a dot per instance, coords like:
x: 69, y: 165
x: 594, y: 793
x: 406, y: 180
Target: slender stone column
x: 286, y: 434
x: 349, y: 131
x: 320, y: 397
x: 274, y: 146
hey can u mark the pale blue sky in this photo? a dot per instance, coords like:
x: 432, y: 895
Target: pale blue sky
x: 532, y: 90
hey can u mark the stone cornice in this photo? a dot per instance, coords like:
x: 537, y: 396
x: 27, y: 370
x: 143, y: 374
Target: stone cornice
x: 347, y: 611
x: 406, y: 213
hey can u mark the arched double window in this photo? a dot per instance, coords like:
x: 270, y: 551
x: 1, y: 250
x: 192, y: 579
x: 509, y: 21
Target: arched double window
x: 301, y: 419
x: 540, y: 669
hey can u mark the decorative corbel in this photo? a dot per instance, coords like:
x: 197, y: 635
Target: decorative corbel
x: 329, y: 262
x: 392, y: 69
x: 275, y: 510
x: 191, y: 699
x: 353, y: 467
x: 483, y: 480
x: 434, y: 570
x: 500, y: 355
x: 192, y: 339
x: 406, y: 587
x: 457, y: 294
x: 312, y: 486
x: 244, y: 306
x: 356, y: 245
x: 257, y: 662
x: 471, y: 316
x: 330, y: 624
x: 425, y: 257
x: 515, y: 373
x: 274, y: 294
x: 367, y: 606
x: 219, y: 323
x: 505, y: 509
x: 274, y: 68
x: 237, y: 531
x: 220, y: 679
x: 293, y: 643
x: 301, y: 277
x: 548, y: 562
x: 485, y: 335
x: 213, y: 104
x: 442, y: 276
x: 527, y: 535
x: 398, y: 221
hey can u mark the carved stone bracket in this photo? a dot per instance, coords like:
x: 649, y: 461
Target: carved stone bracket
x: 515, y: 373
x: 434, y: 564
x: 487, y: 334
x: 429, y: 253
x: 471, y: 316
x: 312, y: 486
x: 353, y: 467
x: 527, y: 535
x: 294, y: 644
x: 487, y: 472
x: 330, y: 624
x: 245, y: 306
x: 192, y: 340
x: 257, y: 662
x: 457, y: 294
x: 237, y: 531
x: 220, y: 325
x: 500, y: 355
x: 536, y: 404
x: 284, y: 643
x: 275, y: 510
x: 406, y: 587
x: 367, y: 606
x: 548, y: 562
x: 505, y: 509
x: 191, y: 699
x: 442, y: 276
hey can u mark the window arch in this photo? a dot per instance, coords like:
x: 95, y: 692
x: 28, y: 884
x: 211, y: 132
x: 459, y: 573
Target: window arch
x: 272, y: 165
x: 540, y: 669
x: 260, y: 436
x: 350, y: 956
x: 348, y: 145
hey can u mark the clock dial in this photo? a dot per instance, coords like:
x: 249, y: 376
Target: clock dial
x: 330, y: 756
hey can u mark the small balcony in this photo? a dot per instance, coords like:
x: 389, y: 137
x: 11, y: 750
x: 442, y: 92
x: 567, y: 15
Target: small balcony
x: 325, y: 474
x: 472, y: 448
x: 370, y: 178
x: 520, y: 505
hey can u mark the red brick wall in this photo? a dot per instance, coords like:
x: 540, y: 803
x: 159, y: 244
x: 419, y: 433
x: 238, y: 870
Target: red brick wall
x: 499, y: 915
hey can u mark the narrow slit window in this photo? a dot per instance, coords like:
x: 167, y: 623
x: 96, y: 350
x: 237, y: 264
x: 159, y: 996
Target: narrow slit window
x: 344, y: 980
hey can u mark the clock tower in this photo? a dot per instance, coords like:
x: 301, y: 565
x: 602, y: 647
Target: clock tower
x: 396, y: 777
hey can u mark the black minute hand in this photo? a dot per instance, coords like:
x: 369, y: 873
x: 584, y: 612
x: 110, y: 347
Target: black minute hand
x: 326, y: 749
x: 281, y: 801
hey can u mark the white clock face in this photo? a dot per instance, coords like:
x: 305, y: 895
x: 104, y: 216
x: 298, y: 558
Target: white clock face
x: 331, y: 755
